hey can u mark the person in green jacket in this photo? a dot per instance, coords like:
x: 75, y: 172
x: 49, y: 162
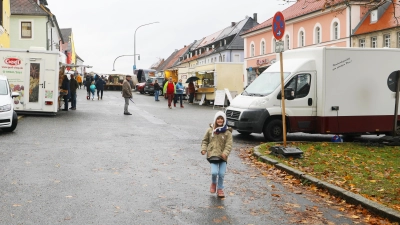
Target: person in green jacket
x: 217, y: 143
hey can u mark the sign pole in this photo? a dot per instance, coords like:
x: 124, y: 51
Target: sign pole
x: 396, y: 103
x: 283, y: 101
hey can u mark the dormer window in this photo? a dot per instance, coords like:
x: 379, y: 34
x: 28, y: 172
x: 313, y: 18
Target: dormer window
x: 207, y: 49
x: 199, y: 51
x: 212, y: 47
x: 224, y: 41
x: 374, y: 16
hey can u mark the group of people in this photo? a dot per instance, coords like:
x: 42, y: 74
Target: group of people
x: 69, y: 87
x: 94, y: 83
x: 174, y: 92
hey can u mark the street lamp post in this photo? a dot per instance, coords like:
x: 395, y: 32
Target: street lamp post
x: 134, y: 41
x: 122, y: 56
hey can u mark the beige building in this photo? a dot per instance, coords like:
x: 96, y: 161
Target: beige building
x: 379, y: 28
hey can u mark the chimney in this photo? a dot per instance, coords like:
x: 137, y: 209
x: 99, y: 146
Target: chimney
x: 184, y: 46
x: 233, y: 24
x: 255, y: 17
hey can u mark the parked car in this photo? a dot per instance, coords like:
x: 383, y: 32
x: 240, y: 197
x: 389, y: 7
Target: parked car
x: 140, y: 87
x: 8, y: 117
x: 149, y: 86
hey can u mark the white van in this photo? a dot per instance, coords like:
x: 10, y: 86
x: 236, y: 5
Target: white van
x: 332, y: 91
x: 8, y: 117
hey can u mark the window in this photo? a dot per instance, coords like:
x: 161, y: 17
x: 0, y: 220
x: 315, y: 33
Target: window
x: 335, y: 30
x: 26, y: 29
x: 223, y: 58
x: 300, y: 84
x: 398, y: 39
x: 373, y: 42
x: 262, y: 48
x: 301, y: 39
x: 361, y: 43
x: 317, y: 35
x: 386, y: 38
x: 252, y: 50
x: 237, y: 58
x: 287, y: 42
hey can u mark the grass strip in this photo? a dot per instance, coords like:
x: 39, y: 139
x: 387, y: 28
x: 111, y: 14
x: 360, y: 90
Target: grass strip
x: 370, y: 170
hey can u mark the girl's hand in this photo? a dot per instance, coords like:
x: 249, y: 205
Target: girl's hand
x: 203, y: 152
x: 223, y: 156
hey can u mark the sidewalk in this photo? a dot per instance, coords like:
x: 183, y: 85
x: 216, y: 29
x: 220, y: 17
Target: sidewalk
x: 350, y: 197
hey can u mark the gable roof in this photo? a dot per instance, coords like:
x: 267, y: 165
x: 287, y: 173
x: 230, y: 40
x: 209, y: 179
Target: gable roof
x: 386, y: 21
x: 66, y: 33
x: 175, y: 60
x: 300, y: 8
x: 26, y: 7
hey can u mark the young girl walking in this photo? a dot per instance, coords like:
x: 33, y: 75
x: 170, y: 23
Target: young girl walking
x: 217, y: 143
x: 92, y: 89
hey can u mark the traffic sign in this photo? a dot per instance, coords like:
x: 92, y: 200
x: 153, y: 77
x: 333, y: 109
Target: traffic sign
x: 278, y: 26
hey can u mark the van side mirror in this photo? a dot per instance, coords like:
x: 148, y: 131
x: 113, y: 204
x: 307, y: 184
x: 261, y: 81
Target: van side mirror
x: 289, y: 94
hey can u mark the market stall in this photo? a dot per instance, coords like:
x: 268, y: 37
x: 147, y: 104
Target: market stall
x: 218, y: 76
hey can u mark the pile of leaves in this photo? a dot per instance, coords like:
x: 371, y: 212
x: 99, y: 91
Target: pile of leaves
x: 372, y: 171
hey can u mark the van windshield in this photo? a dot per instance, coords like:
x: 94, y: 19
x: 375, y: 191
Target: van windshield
x: 265, y: 84
x: 3, y: 87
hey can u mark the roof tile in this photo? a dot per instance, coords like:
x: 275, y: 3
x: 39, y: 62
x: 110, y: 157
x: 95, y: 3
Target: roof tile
x: 26, y: 7
x: 387, y: 20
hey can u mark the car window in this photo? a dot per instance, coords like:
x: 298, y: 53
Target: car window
x: 3, y: 87
x: 149, y: 80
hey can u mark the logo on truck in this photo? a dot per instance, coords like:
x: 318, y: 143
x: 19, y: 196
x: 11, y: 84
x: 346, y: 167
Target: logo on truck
x: 12, y: 61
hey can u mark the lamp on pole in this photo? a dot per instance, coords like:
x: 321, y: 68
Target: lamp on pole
x: 122, y: 56
x: 134, y: 41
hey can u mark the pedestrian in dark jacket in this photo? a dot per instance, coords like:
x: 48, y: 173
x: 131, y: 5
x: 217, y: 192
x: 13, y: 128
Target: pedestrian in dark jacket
x: 192, y: 90
x: 73, y: 85
x: 88, y: 82
x: 65, y: 86
x: 156, y: 90
x: 100, y: 88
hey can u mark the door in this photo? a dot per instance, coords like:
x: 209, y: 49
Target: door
x: 303, y: 108
x: 34, y: 84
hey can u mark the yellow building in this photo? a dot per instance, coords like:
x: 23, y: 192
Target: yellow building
x: 5, y: 24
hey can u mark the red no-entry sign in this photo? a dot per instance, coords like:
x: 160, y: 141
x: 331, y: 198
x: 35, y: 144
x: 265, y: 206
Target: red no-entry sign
x: 278, y: 25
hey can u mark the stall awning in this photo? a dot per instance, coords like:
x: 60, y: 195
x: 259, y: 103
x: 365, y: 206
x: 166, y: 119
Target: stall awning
x: 205, y: 68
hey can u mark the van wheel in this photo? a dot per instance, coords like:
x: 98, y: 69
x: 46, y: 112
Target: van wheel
x: 160, y: 93
x: 244, y: 133
x: 273, y: 131
x: 13, y: 125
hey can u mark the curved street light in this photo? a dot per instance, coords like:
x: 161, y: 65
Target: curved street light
x: 122, y: 56
x: 134, y: 41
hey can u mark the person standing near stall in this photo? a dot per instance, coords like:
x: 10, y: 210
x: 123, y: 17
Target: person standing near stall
x: 65, y: 87
x: 79, y: 80
x: 169, y: 90
x: 192, y: 90
x: 73, y: 85
x: 179, y: 93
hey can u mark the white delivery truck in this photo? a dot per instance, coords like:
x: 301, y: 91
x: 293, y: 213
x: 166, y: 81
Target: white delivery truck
x: 328, y: 90
x: 34, y: 74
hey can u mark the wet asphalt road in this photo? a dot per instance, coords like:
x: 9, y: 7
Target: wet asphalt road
x: 98, y: 166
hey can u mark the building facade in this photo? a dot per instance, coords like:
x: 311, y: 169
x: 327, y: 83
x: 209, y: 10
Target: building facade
x: 308, y: 24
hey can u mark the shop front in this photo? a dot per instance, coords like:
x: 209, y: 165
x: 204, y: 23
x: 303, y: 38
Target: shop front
x: 256, y: 66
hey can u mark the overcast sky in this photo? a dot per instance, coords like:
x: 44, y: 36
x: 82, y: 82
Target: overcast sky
x: 104, y: 29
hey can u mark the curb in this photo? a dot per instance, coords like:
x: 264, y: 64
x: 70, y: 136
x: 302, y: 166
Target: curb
x: 350, y: 197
